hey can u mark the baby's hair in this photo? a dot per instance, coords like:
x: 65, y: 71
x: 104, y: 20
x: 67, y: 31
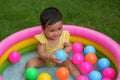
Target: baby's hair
x: 50, y: 16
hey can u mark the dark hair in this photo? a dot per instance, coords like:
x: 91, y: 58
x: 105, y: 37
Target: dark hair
x: 50, y: 16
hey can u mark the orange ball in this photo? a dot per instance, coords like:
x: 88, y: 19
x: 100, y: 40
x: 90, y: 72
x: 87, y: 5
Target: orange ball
x: 91, y: 57
x: 62, y: 73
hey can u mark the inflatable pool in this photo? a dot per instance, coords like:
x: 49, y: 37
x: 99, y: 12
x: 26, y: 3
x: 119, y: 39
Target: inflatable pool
x: 23, y: 41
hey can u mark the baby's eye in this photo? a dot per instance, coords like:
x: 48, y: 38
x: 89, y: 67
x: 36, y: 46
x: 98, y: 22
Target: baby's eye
x: 59, y: 28
x: 51, y: 30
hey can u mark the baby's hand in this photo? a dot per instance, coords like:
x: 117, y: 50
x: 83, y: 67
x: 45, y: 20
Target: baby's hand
x: 54, y: 59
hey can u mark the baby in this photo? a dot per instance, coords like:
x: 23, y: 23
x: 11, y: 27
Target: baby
x: 50, y: 40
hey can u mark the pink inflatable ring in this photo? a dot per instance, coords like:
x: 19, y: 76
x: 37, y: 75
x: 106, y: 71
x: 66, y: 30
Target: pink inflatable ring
x: 86, y: 36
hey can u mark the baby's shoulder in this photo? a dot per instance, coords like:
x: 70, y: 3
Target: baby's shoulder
x: 65, y: 36
x: 66, y: 33
x: 41, y: 38
x: 41, y: 35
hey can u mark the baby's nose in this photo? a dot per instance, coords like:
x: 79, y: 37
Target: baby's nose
x: 57, y: 33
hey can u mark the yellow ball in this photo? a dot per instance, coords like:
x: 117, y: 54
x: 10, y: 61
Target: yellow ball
x: 44, y: 76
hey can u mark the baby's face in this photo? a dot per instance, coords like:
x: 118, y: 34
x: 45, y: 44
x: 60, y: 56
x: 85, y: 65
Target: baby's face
x: 54, y: 31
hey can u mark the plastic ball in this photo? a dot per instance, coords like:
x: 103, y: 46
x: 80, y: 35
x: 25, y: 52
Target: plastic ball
x: 106, y: 79
x: 86, y: 67
x: 1, y: 78
x: 31, y: 73
x: 91, y: 57
x: 77, y: 47
x: 82, y: 78
x: 103, y: 63
x: 110, y: 73
x: 61, y: 54
x: 14, y: 57
x: 77, y: 58
x: 62, y: 73
x: 89, y: 49
x: 95, y: 75
x: 44, y: 76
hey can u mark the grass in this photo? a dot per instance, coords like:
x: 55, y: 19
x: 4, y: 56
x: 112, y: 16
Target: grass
x: 100, y: 15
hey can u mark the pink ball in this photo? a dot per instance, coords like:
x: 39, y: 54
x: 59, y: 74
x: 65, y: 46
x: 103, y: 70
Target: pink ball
x: 1, y: 78
x: 82, y: 78
x: 77, y: 47
x: 77, y: 58
x: 14, y: 57
x: 106, y: 79
x: 86, y: 67
x: 110, y: 73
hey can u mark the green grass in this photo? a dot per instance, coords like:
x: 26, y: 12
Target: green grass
x: 100, y: 15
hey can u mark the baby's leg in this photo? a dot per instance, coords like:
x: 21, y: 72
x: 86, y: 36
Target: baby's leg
x: 35, y: 62
x: 73, y: 68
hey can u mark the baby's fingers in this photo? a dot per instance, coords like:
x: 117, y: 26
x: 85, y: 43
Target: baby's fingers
x: 58, y: 59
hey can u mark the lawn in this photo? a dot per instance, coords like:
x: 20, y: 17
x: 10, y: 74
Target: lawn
x: 100, y: 15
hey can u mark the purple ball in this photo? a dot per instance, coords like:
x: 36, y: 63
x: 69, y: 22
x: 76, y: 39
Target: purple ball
x: 110, y: 73
x: 1, y: 78
x: 86, y: 67
x: 77, y: 47
x: 106, y: 79
x: 82, y: 78
x: 77, y: 58
x: 14, y: 57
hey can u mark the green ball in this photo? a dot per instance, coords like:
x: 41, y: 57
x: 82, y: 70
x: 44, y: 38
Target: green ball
x: 31, y: 73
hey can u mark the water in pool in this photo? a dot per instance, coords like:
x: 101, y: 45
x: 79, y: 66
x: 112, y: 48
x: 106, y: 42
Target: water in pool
x: 16, y: 71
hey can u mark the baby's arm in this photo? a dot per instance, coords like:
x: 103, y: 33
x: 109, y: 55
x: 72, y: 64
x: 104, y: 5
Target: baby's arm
x: 43, y: 55
x: 67, y: 47
x: 41, y: 52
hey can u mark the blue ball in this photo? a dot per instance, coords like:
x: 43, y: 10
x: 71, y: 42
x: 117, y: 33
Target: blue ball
x: 89, y: 49
x: 103, y: 63
x: 95, y: 75
x: 61, y: 54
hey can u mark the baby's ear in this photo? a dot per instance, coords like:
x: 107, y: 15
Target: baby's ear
x: 42, y: 27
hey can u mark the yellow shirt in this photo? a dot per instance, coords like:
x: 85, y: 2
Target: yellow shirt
x: 65, y: 37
